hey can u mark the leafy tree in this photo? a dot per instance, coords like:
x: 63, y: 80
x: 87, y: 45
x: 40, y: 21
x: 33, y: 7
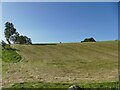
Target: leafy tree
x: 9, y: 31
x: 89, y: 40
x: 28, y: 40
x: 3, y: 44
x: 23, y: 40
x: 14, y: 37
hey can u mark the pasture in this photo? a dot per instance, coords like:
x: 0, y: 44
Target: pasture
x: 81, y: 63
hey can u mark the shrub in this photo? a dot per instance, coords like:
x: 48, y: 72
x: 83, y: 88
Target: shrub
x: 89, y: 40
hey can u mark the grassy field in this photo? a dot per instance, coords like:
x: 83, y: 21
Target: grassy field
x: 64, y: 63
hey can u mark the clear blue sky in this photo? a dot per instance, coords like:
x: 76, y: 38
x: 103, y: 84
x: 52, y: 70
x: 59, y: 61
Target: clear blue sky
x: 65, y: 22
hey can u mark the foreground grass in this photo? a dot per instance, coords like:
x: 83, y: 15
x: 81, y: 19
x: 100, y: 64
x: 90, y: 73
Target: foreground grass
x: 64, y: 85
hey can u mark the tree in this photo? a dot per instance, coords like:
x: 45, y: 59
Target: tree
x: 14, y: 37
x: 23, y: 40
x: 89, y: 40
x: 28, y: 40
x: 3, y: 44
x: 9, y: 31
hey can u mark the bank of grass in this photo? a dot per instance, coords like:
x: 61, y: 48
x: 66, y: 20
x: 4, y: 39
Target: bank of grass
x: 64, y: 85
x: 10, y: 55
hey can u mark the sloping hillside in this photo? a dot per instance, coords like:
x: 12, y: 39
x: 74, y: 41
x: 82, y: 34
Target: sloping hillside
x: 66, y: 62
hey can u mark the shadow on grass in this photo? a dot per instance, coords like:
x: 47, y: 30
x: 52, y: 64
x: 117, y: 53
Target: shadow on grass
x: 13, y: 49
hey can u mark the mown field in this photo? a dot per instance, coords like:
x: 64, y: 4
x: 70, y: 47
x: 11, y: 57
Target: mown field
x: 69, y: 63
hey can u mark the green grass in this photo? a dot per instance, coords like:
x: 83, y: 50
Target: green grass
x: 10, y: 56
x: 64, y: 63
x: 64, y: 85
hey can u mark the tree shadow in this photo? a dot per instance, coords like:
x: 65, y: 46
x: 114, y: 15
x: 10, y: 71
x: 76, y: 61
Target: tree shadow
x: 14, y: 49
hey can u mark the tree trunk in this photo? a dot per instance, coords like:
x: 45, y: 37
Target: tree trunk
x: 8, y: 41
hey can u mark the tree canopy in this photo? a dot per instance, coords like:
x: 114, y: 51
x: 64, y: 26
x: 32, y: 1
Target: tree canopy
x: 12, y: 35
x: 89, y: 40
x: 22, y: 40
x: 9, y: 31
x: 3, y: 44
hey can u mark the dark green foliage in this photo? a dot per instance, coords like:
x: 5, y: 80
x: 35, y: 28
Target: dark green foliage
x: 89, y: 40
x: 23, y: 40
x: 3, y: 44
x: 9, y: 31
x: 20, y: 39
x: 15, y: 37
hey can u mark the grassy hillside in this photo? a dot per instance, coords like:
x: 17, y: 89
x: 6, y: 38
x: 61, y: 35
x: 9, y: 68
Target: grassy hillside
x: 64, y: 63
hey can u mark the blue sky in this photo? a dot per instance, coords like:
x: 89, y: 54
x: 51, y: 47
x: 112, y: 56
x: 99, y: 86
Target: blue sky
x: 63, y: 21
